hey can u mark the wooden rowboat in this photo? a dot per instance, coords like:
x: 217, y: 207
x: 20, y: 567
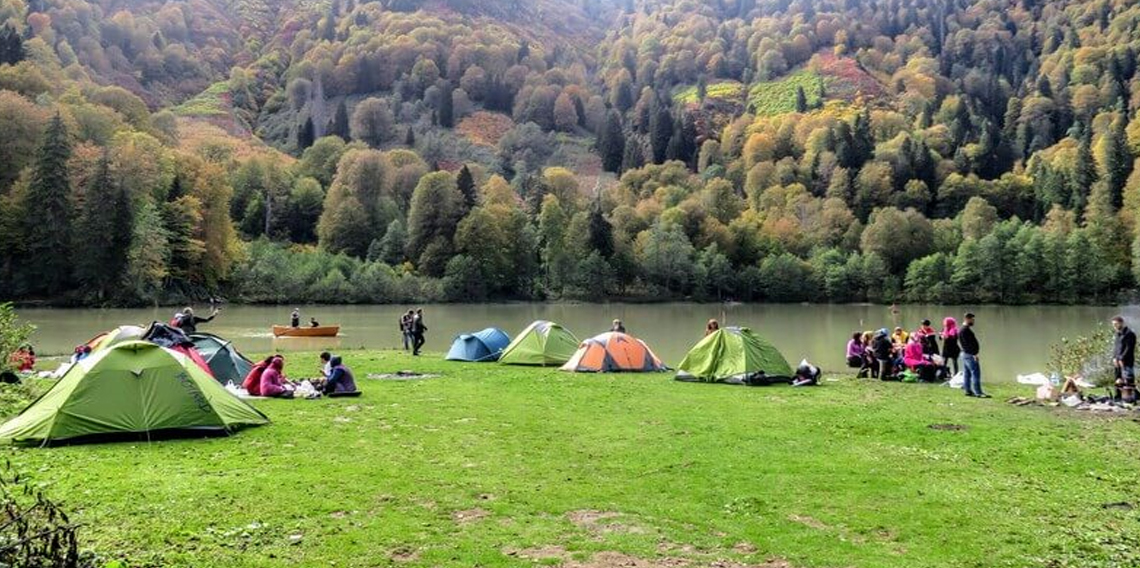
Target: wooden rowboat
x: 322, y: 331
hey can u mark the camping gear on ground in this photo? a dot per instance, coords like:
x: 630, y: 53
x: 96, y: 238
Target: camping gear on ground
x: 613, y: 352
x: 807, y: 375
x: 479, y: 347
x: 1034, y: 379
x: 134, y: 389
x: 116, y: 336
x: 226, y: 363
x: 171, y: 337
x: 541, y: 343
x: 320, y: 331
x: 734, y: 355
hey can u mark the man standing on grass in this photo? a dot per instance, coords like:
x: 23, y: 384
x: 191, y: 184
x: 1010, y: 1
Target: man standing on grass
x: 1124, y: 355
x: 406, y: 329
x: 970, y: 366
x: 418, y: 329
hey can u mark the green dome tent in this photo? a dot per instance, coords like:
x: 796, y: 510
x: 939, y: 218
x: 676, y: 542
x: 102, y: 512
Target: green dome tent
x: 225, y: 361
x: 137, y: 389
x: 734, y: 355
x: 541, y: 343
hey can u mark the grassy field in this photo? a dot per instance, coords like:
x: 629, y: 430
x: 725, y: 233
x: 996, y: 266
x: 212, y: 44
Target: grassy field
x: 496, y: 466
x: 771, y: 98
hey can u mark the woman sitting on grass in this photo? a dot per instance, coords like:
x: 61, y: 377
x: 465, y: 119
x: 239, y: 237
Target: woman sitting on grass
x: 857, y: 354
x: 273, y: 383
x: 252, y: 381
x: 917, y: 361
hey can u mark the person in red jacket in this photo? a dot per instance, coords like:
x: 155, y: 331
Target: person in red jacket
x: 252, y: 382
x: 273, y: 383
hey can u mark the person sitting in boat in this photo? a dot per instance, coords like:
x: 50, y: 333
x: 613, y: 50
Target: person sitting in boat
x: 314, y: 323
x: 340, y: 380
x: 295, y: 318
x: 618, y: 326
x: 273, y: 383
x: 252, y: 382
x: 188, y: 322
x: 917, y: 361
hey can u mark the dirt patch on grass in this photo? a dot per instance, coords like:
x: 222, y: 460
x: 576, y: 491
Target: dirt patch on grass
x: 470, y: 515
x: 808, y: 522
x: 540, y: 553
x: 402, y: 376
x: 619, y: 560
x: 744, y: 548
x: 404, y: 554
x: 949, y: 427
x: 602, y: 522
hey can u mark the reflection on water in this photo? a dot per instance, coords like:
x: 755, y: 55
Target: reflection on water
x: 1014, y: 339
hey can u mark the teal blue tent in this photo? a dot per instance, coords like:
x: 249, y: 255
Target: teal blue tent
x: 479, y: 347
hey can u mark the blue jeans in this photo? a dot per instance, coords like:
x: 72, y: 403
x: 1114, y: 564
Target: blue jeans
x: 973, y: 374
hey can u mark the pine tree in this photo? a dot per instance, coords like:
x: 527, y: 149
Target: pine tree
x: 634, y: 156
x: 47, y: 214
x: 305, y: 135
x: 340, y: 126
x: 601, y: 232
x: 466, y: 183
x: 1084, y: 175
x: 447, y: 107
x: 11, y: 45
x: 102, y: 232
x: 1117, y: 160
x: 801, y: 100
x: 410, y: 138
x: 612, y: 143
x: 862, y: 139
x: 660, y: 132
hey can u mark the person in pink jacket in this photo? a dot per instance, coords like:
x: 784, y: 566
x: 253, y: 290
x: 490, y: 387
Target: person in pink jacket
x: 273, y: 383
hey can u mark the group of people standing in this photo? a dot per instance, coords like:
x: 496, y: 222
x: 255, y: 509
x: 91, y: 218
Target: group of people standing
x: 412, y: 328
x: 888, y: 356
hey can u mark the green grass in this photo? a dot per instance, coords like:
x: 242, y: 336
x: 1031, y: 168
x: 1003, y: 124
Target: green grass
x: 723, y: 90
x: 770, y: 98
x: 849, y: 474
x: 207, y: 103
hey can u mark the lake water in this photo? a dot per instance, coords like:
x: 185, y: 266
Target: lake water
x: 1014, y: 339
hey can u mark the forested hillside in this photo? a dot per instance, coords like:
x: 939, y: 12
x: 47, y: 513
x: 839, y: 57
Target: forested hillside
x: 420, y: 150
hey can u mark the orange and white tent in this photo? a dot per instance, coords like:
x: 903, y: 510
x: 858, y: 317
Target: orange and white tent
x: 614, y: 352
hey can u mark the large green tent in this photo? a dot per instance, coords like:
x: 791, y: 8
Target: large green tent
x: 735, y: 355
x: 136, y: 388
x: 541, y: 343
x: 225, y: 361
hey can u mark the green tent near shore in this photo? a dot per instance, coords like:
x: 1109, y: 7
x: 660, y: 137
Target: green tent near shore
x: 135, y: 389
x: 734, y: 355
x: 542, y: 343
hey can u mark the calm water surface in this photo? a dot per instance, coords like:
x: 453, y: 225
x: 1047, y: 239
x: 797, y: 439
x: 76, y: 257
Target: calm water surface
x: 1014, y: 339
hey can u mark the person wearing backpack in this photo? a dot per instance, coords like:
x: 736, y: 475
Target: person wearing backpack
x: 418, y: 329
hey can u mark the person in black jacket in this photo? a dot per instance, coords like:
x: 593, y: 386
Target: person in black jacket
x: 882, y: 348
x: 188, y: 322
x: 1124, y: 356
x: 970, y: 365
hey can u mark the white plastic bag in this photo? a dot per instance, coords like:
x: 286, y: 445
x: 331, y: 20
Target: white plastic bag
x: 306, y: 390
x: 1035, y: 379
x: 957, y: 381
x: 236, y: 390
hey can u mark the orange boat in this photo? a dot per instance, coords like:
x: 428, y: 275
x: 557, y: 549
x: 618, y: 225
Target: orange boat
x: 321, y: 331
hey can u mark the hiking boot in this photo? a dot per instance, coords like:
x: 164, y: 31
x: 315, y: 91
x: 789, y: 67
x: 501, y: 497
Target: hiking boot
x: 984, y: 395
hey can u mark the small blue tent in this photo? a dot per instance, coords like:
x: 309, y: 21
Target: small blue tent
x: 479, y: 347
